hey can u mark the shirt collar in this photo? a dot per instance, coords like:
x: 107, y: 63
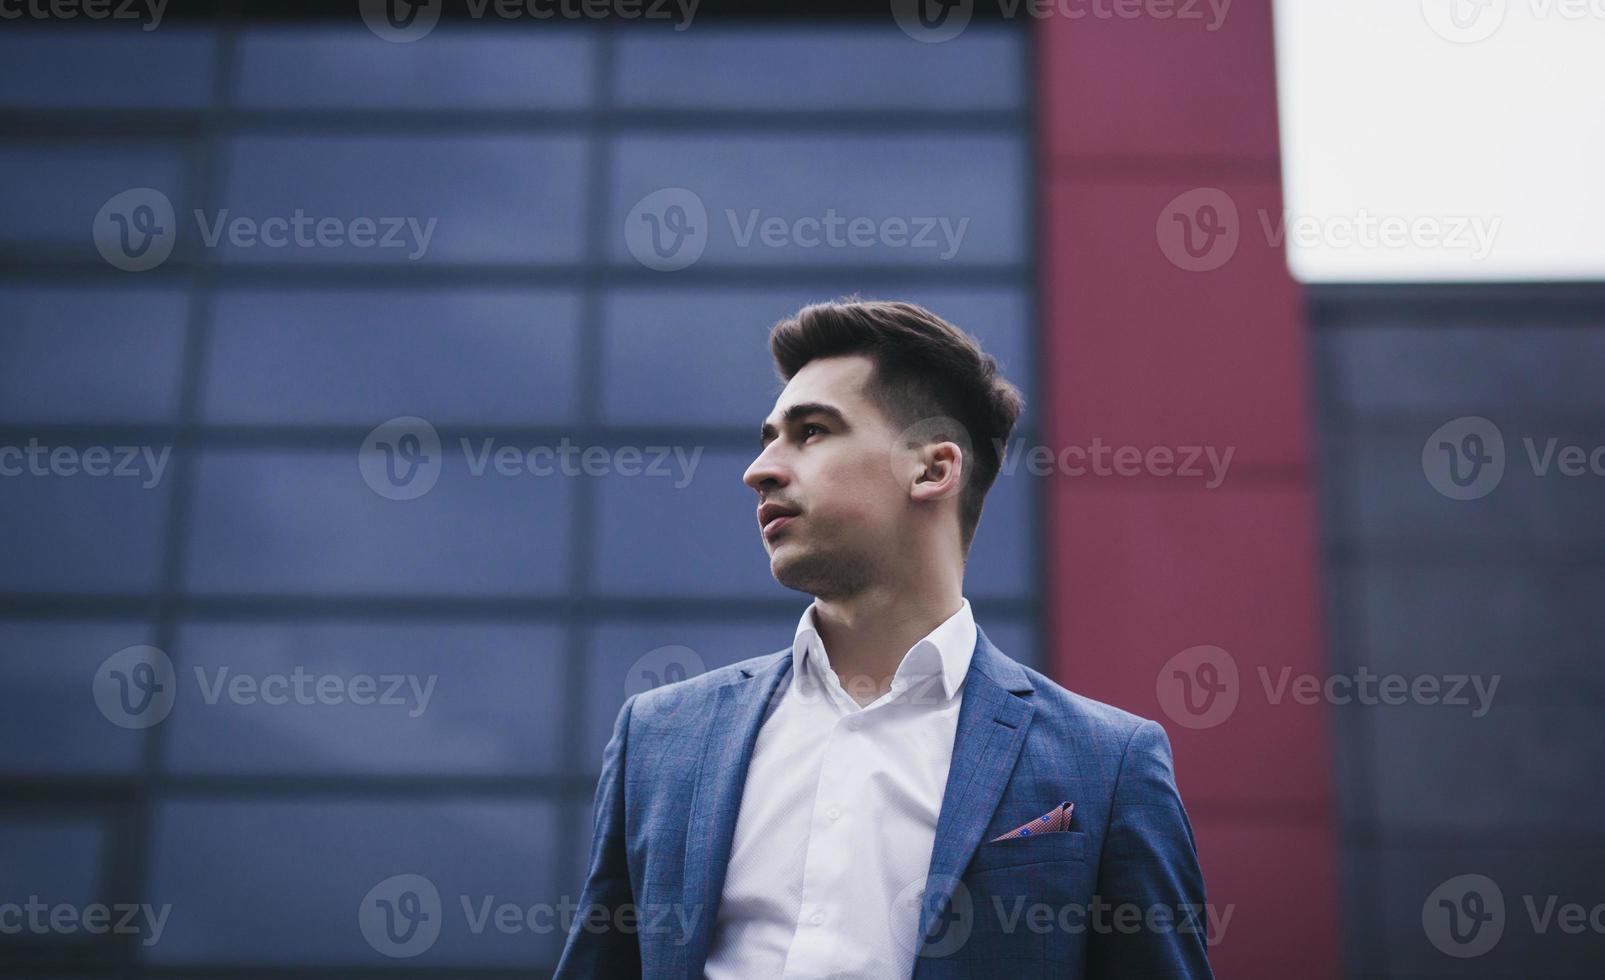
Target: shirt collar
x: 944, y: 651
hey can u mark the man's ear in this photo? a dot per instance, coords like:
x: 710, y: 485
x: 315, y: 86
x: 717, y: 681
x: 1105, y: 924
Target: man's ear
x: 941, y: 471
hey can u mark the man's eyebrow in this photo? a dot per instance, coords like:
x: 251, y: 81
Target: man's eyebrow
x: 802, y: 410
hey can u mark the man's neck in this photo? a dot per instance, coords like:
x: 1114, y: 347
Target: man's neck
x: 868, y: 635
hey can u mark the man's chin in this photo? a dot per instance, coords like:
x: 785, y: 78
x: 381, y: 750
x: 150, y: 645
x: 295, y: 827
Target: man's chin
x: 821, y: 575
x: 789, y: 565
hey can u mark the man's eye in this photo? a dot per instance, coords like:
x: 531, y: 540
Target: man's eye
x: 811, y: 428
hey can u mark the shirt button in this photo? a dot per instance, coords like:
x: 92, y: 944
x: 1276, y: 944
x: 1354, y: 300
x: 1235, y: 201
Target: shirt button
x: 833, y: 812
x: 817, y: 918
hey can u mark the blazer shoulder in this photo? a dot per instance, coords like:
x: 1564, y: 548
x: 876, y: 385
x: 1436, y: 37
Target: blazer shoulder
x: 679, y: 699
x: 1081, y: 711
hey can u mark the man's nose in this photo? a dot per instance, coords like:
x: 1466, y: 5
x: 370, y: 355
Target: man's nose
x: 766, y: 472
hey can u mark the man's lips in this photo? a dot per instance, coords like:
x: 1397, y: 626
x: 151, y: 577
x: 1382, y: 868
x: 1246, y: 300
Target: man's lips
x: 773, y: 527
x: 772, y: 517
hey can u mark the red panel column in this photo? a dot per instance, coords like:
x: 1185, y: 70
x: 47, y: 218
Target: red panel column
x: 1171, y: 323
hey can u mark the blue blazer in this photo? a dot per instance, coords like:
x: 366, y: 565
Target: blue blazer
x: 671, y: 785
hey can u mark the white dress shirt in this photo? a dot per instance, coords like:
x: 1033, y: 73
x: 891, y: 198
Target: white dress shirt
x: 833, y: 840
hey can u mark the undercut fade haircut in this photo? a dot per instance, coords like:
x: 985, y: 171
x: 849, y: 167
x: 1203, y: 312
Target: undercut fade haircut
x: 925, y: 368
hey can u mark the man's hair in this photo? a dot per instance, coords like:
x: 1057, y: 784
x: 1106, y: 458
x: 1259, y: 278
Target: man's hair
x: 925, y: 368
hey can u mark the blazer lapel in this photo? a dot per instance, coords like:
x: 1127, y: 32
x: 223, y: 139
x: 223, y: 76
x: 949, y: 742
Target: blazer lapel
x: 734, y: 721
x: 991, y: 731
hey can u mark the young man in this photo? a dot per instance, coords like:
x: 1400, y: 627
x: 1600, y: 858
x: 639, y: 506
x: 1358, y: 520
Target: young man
x: 891, y: 796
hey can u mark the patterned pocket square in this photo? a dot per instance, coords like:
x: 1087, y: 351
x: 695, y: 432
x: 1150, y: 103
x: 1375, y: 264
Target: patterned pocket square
x: 1055, y: 819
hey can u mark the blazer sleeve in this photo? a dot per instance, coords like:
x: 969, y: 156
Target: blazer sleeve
x: 1150, y: 862
x: 596, y: 947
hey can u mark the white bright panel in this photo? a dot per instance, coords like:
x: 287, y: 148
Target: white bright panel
x: 1442, y: 140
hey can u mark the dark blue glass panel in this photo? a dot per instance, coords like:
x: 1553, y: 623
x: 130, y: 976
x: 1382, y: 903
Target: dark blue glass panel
x: 51, y: 193
x: 70, y: 531
x: 81, y: 66
x: 58, y: 862
x: 362, y: 356
x: 286, y: 882
x: 1001, y: 556
x: 660, y: 345
x: 306, y: 523
x: 490, y: 198
x: 819, y: 67
x: 439, y: 698
x: 329, y: 67
x: 890, y: 198
x: 76, y: 354
x: 53, y: 723
x: 1016, y: 637
x: 701, y: 538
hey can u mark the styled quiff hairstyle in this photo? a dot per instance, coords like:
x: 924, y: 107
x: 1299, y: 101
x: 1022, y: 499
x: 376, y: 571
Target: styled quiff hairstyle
x: 925, y: 368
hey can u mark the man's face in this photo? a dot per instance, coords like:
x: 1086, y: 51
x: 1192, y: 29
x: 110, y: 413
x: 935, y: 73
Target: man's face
x: 830, y: 506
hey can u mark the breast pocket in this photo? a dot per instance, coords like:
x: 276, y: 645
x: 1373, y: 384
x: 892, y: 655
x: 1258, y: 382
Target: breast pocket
x: 1063, y: 845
